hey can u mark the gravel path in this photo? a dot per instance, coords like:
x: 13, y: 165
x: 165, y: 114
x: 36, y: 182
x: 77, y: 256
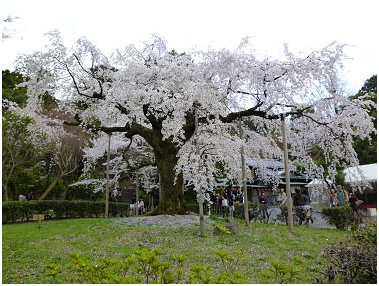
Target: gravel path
x: 193, y: 219
x: 163, y: 220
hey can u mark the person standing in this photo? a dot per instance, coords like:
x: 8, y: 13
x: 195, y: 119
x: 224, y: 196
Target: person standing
x: 282, y: 198
x: 29, y: 196
x: 264, y: 204
x: 276, y: 193
x: 283, y: 203
x: 298, y: 203
x: 119, y: 195
x: 307, y: 206
x: 333, y: 200
x: 213, y: 198
x: 298, y: 199
x: 115, y: 193
x: 353, y: 202
x: 141, y: 205
x: 342, y: 196
x: 241, y: 198
x: 232, y: 199
x: 224, y: 204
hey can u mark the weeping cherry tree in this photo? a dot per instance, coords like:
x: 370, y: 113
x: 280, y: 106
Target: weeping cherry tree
x: 151, y: 92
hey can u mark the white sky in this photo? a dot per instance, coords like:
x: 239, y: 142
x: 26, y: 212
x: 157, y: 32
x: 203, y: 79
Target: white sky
x: 110, y: 24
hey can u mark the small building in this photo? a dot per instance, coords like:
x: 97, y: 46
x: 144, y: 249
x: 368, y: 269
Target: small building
x: 258, y: 183
x: 355, y: 175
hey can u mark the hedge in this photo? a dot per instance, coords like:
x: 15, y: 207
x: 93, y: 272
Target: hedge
x: 341, y: 217
x: 24, y: 210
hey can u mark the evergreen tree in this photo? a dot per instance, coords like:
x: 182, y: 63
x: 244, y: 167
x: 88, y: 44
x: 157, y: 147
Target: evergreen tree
x: 366, y: 150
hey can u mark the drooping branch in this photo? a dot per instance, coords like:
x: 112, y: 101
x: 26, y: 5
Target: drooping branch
x: 95, y: 94
x: 152, y: 119
x: 129, y: 129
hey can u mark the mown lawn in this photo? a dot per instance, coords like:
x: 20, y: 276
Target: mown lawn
x: 27, y: 250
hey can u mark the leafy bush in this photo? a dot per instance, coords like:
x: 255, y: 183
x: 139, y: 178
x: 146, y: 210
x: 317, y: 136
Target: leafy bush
x: 366, y: 235
x: 283, y: 273
x: 23, y: 210
x: 194, y: 208
x: 145, y: 266
x: 223, y: 229
x: 354, y: 263
x: 351, y: 264
x: 254, y: 212
x: 341, y: 217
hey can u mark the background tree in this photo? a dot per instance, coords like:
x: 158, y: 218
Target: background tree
x: 367, y: 148
x: 66, y: 160
x: 10, y: 80
x: 152, y: 92
x: 25, y: 141
x: 19, y: 155
x: 18, y: 151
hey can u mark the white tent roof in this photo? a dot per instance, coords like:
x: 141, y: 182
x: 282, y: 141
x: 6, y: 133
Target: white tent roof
x: 318, y: 182
x: 354, y: 174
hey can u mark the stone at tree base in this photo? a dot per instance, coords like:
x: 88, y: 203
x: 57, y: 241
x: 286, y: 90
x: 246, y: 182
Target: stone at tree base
x: 234, y: 229
x: 216, y: 231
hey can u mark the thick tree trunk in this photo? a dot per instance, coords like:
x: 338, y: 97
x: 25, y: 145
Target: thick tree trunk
x: 5, y: 193
x: 172, y: 197
x: 50, y: 187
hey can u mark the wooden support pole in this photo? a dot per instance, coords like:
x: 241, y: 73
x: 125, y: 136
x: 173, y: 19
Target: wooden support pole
x: 107, y: 187
x: 201, y: 199
x: 39, y: 221
x: 245, y: 199
x: 137, y: 192
x: 287, y: 175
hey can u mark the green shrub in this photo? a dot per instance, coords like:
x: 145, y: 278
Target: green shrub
x: 146, y: 266
x: 354, y: 262
x: 283, y: 273
x: 194, y: 208
x: 341, y: 217
x: 350, y: 264
x: 254, y: 213
x: 366, y: 235
x: 23, y: 210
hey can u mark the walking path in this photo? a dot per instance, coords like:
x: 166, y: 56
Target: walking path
x: 318, y: 221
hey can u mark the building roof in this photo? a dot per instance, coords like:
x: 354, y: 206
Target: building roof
x: 267, y: 163
x: 354, y: 174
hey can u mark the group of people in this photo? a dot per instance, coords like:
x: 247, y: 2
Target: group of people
x: 29, y: 197
x: 302, y: 204
x: 226, y: 200
x: 340, y: 197
x: 300, y: 199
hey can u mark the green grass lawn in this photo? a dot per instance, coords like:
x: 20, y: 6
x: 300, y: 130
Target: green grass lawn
x: 27, y: 249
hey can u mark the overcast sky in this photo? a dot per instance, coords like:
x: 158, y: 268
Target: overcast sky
x: 110, y: 24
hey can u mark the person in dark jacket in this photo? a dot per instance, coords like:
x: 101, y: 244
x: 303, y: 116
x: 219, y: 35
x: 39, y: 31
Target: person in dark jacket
x: 213, y: 198
x: 264, y: 205
x: 307, y: 206
x: 353, y: 202
x: 298, y: 199
x: 29, y: 196
x: 298, y: 203
x: 231, y: 200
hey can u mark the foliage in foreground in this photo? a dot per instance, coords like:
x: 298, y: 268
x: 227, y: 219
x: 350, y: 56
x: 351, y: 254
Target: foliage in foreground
x: 283, y: 273
x: 353, y: 263
x: 24, y: 210
x: 146, y: 266
x: 341, y: 217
